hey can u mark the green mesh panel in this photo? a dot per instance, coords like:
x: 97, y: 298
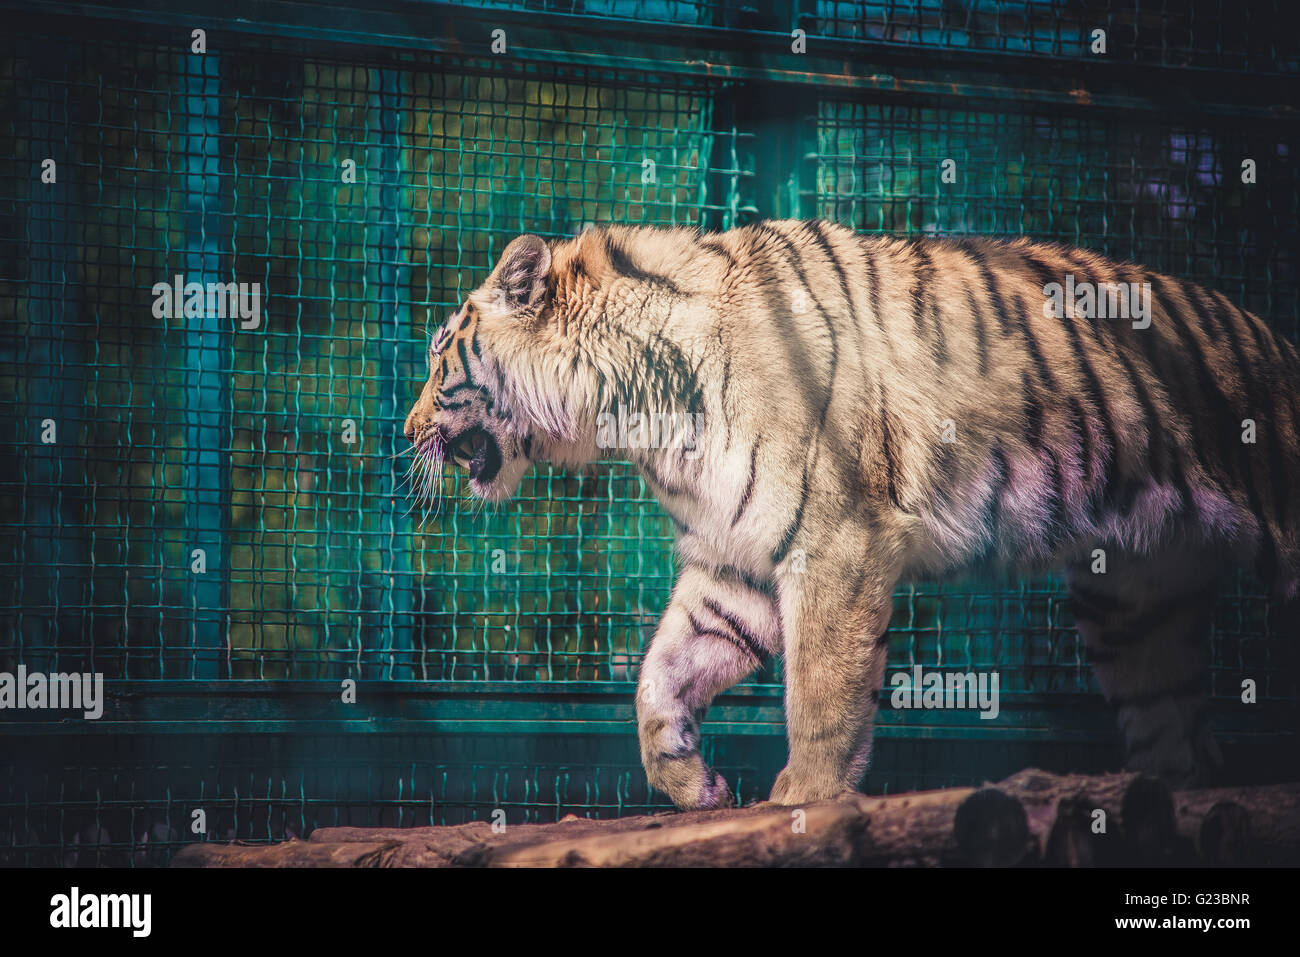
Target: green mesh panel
x: 497, y: 646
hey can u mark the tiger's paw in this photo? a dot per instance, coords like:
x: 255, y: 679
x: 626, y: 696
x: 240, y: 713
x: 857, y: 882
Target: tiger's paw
x: 689, y: 783
x: 791, y: 789
x: 714, y: 793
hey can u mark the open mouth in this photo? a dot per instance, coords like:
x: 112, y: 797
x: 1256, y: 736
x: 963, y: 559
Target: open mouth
x: 478, y: 453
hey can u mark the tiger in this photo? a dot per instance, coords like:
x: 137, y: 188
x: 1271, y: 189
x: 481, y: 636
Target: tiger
x: 873, y: 408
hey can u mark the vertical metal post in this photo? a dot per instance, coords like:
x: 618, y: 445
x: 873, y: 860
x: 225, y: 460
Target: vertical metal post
x: 784, y: 171
x: 207, y: 395
x: 772, y: 132
x: 397, y: 355
x: 53, y: 549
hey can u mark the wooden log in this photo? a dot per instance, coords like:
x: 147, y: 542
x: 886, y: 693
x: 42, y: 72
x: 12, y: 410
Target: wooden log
x: 992, y: 830
x: 293, y: 853
x: 1274, y: 815
x: 828, y: 833
x: 913, y: 830
x: 1150, y: 836
x: 474, y: 844
x: 1041, y: 794
x: 1032, y: 817
x: 1078, y: 820
x: 1071, y: 842
x: 1225, y: 838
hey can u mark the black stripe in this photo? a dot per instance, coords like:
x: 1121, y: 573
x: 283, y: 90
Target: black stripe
x: 1208, y: 323
x: 732, y: 574
x: 981, y: 334
x: 464, y: 360
x: 1035, y: 350
x: 1082, y: 270
x: 766, y: 264
x: 734, y: 640
x: 1207, y: 386
x: 1084, y: 431
x: 1033, y: 414
x: 990, y: 285
x: 1171, y: 451
x: 1059, y: 528
x: 671, y: 374
x: 796, y: 262
x: 715, y: 245
x: 618, y: 259
x: 873, y: 292
x: 787, y: 537
x: 1156, y: 444
x: 924, y: 303
x: 751, y: 642
x: 887, y: 446
x: 919, y: 277
x: 1268, y: 556
x: 993, y: 509
x: 819, y: 230
x: 652, y: 473
x: 458, y: 387
x: 1109, y: 437
x: 1264, y: 342
x: 1185, y: 403
x: 680, y: 753
x: 1045, y: 272
x: 1290, y: 357
x: 749, y: 486
x: 1277, y: 468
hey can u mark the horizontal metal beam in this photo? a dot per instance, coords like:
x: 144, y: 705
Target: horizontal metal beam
x: 536, y: 708
x: 890, y: 70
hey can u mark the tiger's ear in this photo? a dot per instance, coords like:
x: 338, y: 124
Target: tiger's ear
x: 519, y: 279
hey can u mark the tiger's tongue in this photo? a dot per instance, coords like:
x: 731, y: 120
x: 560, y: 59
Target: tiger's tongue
x: 479, y: 458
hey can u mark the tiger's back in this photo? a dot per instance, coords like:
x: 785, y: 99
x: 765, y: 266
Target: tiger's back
x: 991, y: 427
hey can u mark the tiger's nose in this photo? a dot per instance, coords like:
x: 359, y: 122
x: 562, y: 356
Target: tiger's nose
x: 409, y: 428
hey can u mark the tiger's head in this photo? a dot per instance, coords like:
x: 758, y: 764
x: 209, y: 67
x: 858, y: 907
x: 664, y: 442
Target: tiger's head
x: 470, y: 413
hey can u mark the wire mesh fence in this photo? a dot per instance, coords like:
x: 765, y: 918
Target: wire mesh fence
x: 193, y: 504
x: 1193, y: 34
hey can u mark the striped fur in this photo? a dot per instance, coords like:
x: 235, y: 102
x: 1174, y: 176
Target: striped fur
x: 828, y: 368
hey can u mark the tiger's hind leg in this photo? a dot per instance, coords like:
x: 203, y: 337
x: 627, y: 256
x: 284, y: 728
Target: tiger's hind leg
x: 1146, y: 623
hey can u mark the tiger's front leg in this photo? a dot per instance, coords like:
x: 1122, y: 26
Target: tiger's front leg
x: 713, y: 634
x: 835, y: 617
